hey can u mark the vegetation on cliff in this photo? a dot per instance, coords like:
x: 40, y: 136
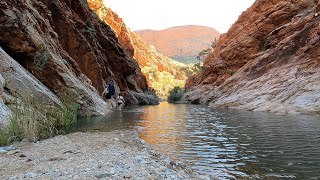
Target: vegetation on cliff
x: 162, y: 72
x: 175, y: 94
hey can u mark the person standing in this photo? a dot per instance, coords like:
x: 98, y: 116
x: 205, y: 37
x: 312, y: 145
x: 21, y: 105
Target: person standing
x: 108, y: 92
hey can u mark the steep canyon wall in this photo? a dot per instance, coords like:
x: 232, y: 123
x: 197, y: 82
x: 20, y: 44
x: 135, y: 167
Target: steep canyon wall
x: 162, y: 72
x: 68, y: 50
x: 268, y: 61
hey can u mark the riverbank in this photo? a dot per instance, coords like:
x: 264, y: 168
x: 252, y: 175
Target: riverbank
x: 90, y: 155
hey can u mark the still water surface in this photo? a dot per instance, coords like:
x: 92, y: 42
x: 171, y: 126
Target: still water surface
x: 225, y: 143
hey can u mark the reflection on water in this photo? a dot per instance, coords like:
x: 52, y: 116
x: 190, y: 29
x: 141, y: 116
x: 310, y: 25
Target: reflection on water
x: 225, y: 143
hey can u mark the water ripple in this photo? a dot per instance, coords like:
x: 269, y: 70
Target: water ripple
x: 226, y: 143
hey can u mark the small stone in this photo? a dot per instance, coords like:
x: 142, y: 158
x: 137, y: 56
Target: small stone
x: 31, y: 175
x: 87, y: 169
x: 173, y: 177
x: 53, y: 159
x: 99, y: 174
x: 127, y: 177
x: 70, y: 152
x: 13, y: 152
x: 316, y: 14
x: 139, y: 160
x: 116, y: 139
x: 22, y: 155
x: 172, y: 163
x: 143, y: 142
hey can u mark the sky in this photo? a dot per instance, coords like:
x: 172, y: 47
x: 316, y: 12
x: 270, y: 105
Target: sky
x: 162, y: 14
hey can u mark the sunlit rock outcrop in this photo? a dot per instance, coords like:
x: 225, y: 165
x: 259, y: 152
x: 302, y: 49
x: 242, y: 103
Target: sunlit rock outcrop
x: 162, y: 72
x: 69, y: 50
x: 268, y: 61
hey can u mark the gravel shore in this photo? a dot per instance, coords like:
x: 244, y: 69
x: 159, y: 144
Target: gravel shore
x: 90, y: 155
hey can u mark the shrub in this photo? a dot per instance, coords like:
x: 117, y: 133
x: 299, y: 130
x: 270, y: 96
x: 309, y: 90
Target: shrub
x: 175, y: 94
x: 4, y: 137
x: 151, y: 91
x: 34, y: 121
x: 68, y: 117
x: 161, y: 81
x: 42, y: 58
x: 84, y: 3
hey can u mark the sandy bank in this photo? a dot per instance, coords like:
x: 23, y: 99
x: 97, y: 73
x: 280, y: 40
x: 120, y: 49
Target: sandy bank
x: 111, y: 155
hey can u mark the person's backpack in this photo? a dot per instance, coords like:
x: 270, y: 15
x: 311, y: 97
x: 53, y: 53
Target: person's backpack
x: 111, y: 89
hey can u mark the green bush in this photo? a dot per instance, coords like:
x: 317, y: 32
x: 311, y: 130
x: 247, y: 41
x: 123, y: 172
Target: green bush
x: 34, y: 121
x: 175, y: 94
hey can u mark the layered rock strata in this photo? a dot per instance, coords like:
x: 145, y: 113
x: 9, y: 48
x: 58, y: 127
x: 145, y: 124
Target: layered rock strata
x: 267, y: 61
x: 69, y: 50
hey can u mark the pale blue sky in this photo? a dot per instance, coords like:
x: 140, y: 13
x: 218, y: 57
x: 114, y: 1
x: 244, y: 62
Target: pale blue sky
x: 162, y: 14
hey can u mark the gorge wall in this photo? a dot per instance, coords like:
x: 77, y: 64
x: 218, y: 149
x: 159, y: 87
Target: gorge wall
x: 268, y: 61
x: 162, y: 72
x: 52, y: 49
x: 181, y: 42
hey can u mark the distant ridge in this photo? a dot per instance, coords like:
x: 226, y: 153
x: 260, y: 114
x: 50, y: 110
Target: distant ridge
x: 180, y: 41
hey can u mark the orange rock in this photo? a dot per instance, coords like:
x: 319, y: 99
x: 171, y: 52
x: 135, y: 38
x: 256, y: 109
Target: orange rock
x: 273, y: 53
x: 180, y: 40
x: 78, y: 52
x: 146, y: 56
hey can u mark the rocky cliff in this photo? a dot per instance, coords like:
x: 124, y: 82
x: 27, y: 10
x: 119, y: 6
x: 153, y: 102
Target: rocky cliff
x: 180, y: 41
x: 268, y: 61
x: 61, y: 48
x: 4, y: 110
x: 162, y: 72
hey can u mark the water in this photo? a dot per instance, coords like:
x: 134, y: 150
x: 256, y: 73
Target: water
x: 225, y: 143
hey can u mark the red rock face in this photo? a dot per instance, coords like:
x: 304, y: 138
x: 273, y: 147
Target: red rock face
x: 181, y: 40
x: 147, y: 57
x: 263, y: 62
x: 81, y: 52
